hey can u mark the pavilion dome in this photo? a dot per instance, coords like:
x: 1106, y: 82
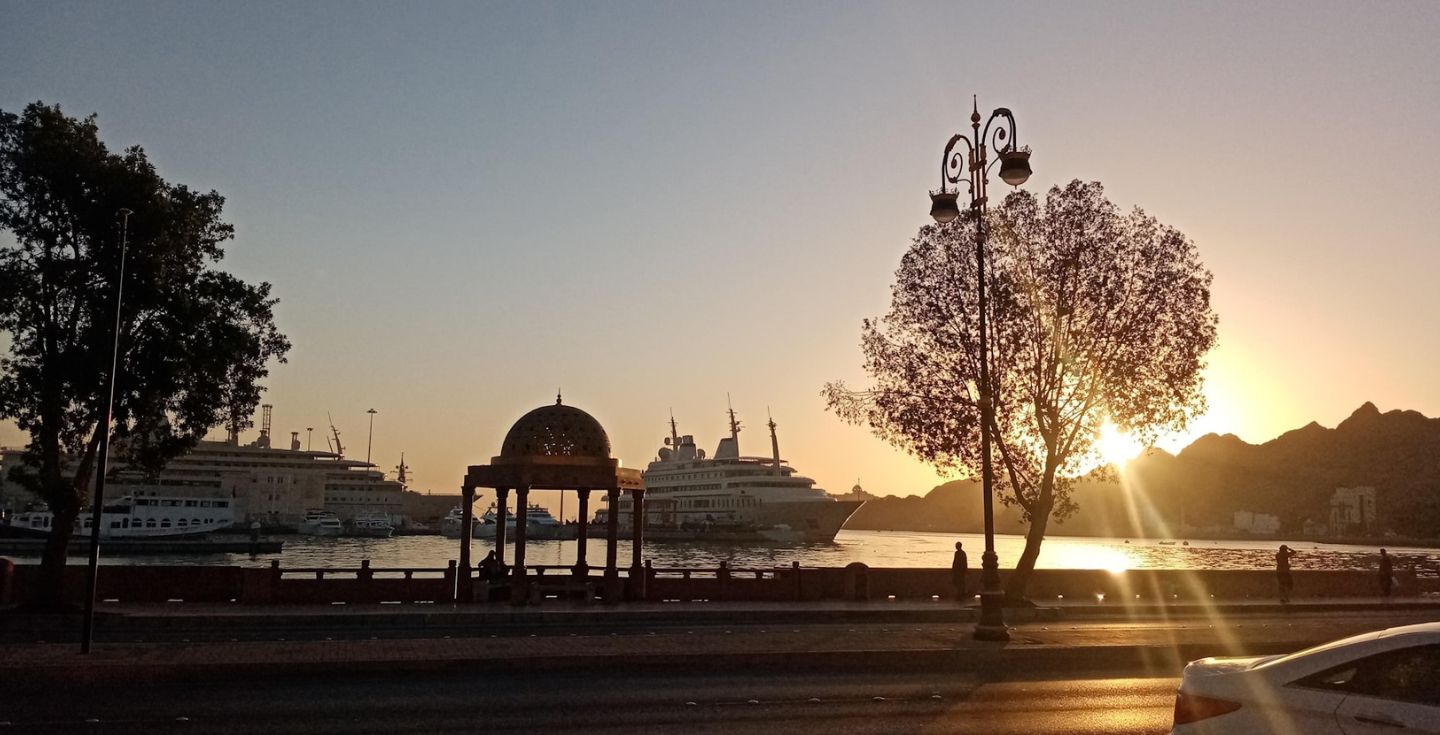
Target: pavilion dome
x: 556, y: 431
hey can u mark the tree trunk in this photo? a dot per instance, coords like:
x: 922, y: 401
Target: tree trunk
x: 50, y: 587
x: 65, y: 500
x: 1039, y: 521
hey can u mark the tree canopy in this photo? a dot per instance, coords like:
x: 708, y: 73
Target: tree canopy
x: 1094, y: 315
x: 195, y: 342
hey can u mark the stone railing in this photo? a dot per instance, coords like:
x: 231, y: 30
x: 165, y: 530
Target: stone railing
x: 856, y: 582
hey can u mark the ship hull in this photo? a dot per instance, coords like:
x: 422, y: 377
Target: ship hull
x: 777, y: 522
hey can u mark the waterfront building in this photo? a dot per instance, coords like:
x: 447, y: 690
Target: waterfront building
x: 1352, y: 510
x: 1260, y: 524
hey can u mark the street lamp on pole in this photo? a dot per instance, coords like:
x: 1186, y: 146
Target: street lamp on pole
x: 370, y: 439
x: 102, y: 459
x: 944, y: 207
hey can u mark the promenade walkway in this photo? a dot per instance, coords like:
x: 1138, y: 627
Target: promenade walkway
x: 193, y: 641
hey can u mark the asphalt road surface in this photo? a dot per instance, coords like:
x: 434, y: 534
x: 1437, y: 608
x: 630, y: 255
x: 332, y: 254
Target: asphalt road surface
x: 596, y: 702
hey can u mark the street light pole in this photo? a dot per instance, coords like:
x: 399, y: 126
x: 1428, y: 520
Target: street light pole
x: 102, y: 460
x: 371, y: 438
x: 1014, y: 170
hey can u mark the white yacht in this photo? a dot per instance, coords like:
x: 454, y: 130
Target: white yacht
x: 321, y: 523
x: 136, y: 518
x: 369, y: 527
x: 540, y: 525
x: 732, y: 497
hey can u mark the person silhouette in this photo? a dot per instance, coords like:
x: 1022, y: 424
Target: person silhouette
x: 1282, y: 572
x: 1387, y: 574
x: 959, y: 567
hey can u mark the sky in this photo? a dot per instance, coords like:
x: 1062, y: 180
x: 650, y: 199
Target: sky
x: 464, y: 207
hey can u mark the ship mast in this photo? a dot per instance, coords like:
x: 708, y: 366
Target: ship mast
x: 734, y: 426
x: 674, y: 432
x: 774, y: 442
x: 339, y: 448
x: 401, y: 470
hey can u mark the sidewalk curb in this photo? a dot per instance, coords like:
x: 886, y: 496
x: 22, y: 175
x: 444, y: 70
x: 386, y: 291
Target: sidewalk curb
x: 57, y: 627
x: 996, y: 661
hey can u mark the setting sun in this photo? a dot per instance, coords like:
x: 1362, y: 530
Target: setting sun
x: 1115, y: 445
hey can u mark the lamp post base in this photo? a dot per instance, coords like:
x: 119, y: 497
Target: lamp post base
x: 992, y: 601
x: 992, y: 623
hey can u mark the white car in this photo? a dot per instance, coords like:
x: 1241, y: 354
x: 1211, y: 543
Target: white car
x: 1387, y: 681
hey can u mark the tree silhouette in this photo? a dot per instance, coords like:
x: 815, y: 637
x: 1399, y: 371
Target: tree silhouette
x: 1094, y: 314
x: 195, y: 341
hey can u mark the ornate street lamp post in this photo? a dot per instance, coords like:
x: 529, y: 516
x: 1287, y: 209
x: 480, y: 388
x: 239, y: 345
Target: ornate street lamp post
x: 1014, y: 170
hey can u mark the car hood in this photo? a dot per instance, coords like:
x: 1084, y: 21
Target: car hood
x: 1224, y: 665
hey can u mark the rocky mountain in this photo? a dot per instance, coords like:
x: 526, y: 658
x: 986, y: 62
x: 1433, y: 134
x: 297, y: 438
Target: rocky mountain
x: 1292, y: 477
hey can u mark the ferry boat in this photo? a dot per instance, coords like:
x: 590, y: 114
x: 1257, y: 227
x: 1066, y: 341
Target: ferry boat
x: 136, y: 518
x: 540, y: 525
x: 729, y: 497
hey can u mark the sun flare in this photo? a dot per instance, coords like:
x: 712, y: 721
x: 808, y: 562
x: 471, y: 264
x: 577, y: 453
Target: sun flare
x: 1117, y: 446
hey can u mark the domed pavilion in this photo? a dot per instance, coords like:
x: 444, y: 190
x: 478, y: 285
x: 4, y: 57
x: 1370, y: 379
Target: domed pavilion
x: 555, y: 447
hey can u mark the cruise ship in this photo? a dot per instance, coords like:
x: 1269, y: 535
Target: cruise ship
x: 730, y: 497
x: 273, y: 486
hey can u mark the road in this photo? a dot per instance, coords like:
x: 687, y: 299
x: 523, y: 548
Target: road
x: 851, y: 678
x: 597, y: 702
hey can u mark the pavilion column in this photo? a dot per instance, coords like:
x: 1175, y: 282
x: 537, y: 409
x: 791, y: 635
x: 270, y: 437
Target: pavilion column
x: 502, y: 506
x: 612, y: 546
x: 637, y: 541
x: 518, y: 592
x: 582, y: 534
x: 467, y: 521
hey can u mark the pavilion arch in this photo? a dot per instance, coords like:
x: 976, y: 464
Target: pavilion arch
x: 556, y: 447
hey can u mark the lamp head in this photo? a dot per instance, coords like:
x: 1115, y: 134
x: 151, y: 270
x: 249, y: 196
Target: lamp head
x: 943, y: 206
x: 1015, y: 167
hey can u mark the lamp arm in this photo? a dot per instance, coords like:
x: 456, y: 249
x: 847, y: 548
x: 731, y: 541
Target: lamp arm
x: 998, y: 142
x: 953, y: 162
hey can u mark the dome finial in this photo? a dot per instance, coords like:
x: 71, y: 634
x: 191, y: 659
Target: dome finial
x: 557, y: 396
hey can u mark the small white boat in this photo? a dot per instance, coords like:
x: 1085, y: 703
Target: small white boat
x: 321, y: 523
x: 540, y: 525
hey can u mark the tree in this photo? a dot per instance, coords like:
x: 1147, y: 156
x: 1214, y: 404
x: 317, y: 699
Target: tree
x: 1094, y: 315
x: 195, y: 341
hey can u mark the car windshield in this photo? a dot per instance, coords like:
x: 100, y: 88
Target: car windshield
x: 1318, y: 649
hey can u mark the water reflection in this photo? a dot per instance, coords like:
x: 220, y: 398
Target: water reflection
x: 875, y: 548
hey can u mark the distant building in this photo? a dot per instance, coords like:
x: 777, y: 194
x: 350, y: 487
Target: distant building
x: 856, y: 493
x: 1352, y: 511
x: 1260, y: 524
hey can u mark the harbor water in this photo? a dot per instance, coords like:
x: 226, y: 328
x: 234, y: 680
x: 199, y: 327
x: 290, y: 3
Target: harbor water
x: 875, y: 548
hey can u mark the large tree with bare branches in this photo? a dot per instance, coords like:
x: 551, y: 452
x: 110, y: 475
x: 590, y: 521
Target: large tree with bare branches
x: 1095, y: 314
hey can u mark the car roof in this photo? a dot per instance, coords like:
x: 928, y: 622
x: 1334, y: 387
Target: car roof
x: 1337, y: 652
x: 1416, y: 629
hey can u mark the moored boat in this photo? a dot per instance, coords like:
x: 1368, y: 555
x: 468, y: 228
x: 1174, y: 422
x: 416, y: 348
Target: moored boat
x: 135, y: 518
x: 540, y: 525
x: 321, y: 523
x: 369, y: 528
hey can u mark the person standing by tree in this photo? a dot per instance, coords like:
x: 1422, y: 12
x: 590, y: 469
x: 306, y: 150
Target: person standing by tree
x: 1282, y: 572
x: 959, y: 567
x: 194, y: 342
x: 1387, y: 575
x: 1095, y: 315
